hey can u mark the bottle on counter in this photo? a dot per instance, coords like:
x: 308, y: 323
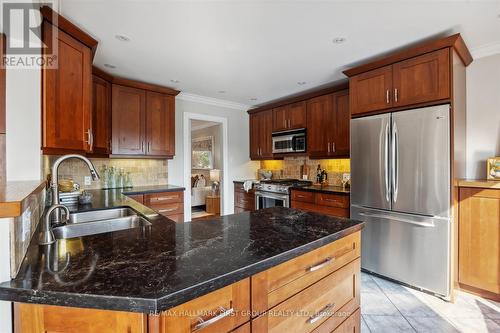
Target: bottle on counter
x: 318, y: 174
x: 104, y: 177
x: 112, y: 177
x: 120, y: 179
x: 128, y: 180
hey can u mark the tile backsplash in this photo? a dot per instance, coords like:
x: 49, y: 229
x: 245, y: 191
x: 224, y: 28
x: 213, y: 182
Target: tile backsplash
x: 290, y: 168
x: 143, y: 172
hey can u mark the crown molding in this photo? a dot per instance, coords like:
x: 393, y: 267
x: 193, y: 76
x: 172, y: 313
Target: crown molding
x: 486, y: 50
x: 203, y: 126
x: 212, y: 101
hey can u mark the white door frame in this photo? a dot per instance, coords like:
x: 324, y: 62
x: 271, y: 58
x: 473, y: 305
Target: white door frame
x: 188, y: 116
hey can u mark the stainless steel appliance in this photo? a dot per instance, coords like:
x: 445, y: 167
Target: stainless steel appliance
x: 276, y: 192
x: 289, y: 141
x: 401, y: 189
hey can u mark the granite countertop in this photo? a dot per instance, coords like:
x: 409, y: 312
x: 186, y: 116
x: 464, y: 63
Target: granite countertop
x: 152, y: 189
x: 150, y: 269
x: 479, y: 183
x: 324, y: 189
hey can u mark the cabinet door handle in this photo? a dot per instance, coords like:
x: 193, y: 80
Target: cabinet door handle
x: 142, y: 146
x: 289, y: 123
x: 396, y: 95
x: 90, y: 139
x: 167, y: 210
x: 284, y: 123
x: 325, y: 312
x: 164, y: 198
x: 223, y: 314
x: 333, y: 147
x: 149, y: 146
x: 326, y: 262
x: 387, y: 96
x: 328, y: 146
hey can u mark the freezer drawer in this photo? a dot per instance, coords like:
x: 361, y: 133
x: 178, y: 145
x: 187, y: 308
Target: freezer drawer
x: 408, y: 248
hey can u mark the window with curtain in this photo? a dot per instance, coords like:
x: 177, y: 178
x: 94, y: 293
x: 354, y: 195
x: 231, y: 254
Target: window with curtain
x: 202, y: 153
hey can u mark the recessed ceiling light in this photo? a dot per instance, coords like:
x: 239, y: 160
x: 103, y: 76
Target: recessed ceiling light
x: 110, y: 66
x: 221, y: 91
x: 122, y: 38
x: 175, y: 81
x: 338, y: 40
x: 253, y: 98
x: 301, y: 83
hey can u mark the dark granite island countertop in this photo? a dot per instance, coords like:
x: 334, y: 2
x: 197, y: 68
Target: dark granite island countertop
x: 151, y: 269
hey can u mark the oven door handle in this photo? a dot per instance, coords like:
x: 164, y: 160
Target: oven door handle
x: 294, y: 143
x: 271, y: 196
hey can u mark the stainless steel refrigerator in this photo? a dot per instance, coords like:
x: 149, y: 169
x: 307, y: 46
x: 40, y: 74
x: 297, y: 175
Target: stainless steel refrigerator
x: 401, y: 189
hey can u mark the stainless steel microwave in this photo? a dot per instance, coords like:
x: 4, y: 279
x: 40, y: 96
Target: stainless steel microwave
x: 289, y: 141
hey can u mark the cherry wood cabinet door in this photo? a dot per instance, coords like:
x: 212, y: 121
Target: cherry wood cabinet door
x: 479, y: 241
x: 66, y: 96
x: 340, y: 124
x: 371, y: 91
x: 280, y: 118
x: 254, y: 137
x: 101, y: 115
x: 129, y: 120
x: 318, y: 113
x: 160, y: 124
x: 297, y: 115
x: 266, y: 134
x: 422, y: 79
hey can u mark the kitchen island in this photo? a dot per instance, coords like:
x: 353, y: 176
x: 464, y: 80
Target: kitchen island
x: 271, y: 270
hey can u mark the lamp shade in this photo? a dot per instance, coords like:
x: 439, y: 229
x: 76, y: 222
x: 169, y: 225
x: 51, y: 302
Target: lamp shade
x: 215, y: 175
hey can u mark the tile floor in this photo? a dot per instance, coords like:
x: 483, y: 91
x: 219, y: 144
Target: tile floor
x: 387, y: 307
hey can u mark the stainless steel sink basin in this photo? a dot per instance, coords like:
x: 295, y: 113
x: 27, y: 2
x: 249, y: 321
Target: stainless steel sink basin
x: 99, y: 215
x: 98, y: 227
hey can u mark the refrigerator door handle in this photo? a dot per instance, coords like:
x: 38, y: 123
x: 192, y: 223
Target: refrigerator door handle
x: 386, y: 163
x: 395, y: 162
x: 399, y: 219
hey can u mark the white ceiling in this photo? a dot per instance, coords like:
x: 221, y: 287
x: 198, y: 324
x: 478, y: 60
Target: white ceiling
x: 261, y: 49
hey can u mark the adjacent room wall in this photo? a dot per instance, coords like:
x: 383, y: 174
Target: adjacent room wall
x: 239, y: 164
x: 215, y: 132
x: 483, y: 114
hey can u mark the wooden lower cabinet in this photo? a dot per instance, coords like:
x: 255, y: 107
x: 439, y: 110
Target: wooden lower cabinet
x: 243, y: 201
x: 35, y: 318
x: 479, y: 241
x: 325, y: 203
x: 316, y: 292
x: 168, y: 204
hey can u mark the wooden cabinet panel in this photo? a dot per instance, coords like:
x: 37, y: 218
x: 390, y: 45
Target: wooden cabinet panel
x: 340, y: 124
x: 66, y: 96
x: 277, y: 284
x: 2, y: 86
x: 168, y: 204
x: 243, y: 201
x: 185, y: 318
x: 34, y: 318
x: 319, y: 110
x: 261, y: 130
x: 160, y: 124
x: 178, y: 218
x: 101, y: 115
x: 371, y: 91
x: 304, y: 196
x: 243, y: 329
x: 129, y: 120
x: 319, y: 302
x: 479, y: 241
x: 350, y: 325
x: 422, y: 79
x: 280, y: 118
x: 212, y: 204
x: 138, y: 197
x: 333, y: 200
x: 297, y: 115
x: 163, y: 198
x: 332, y: 211
x: 326, y: 203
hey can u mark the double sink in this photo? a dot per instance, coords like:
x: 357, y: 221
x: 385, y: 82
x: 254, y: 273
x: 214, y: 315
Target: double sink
x: 100, y: 221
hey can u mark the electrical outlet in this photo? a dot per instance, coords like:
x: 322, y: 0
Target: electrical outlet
x: 88, y: 180
x: 346, y: 177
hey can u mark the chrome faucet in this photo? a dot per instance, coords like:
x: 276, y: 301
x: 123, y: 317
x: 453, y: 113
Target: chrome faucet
x: 47, y: 236
x: 55, y: 177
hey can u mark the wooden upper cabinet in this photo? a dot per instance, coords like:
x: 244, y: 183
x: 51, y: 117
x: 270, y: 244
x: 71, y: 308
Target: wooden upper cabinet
x: 160, y: 124
x: 371, y: 91
x: 66, y: 91
x: 101, y: 115
x: 422, y: 79
x: 340, y: 124
x: 261, y: 130
x: 129, y: 120
x: 478, y: 239
x: 319, y: 110
x: 289, y: 117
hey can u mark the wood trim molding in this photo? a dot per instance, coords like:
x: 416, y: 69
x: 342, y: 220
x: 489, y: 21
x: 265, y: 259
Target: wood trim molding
x: 212, y: 101
x: 102, y: 74
x: 455, y: 41
x: 338, y: 86
x: 68, y: 27
x: 145, y: 86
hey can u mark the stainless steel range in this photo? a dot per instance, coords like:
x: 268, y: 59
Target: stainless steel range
x: 276, y: 192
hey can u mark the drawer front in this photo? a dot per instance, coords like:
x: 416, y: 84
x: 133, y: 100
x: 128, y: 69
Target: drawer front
x: 138, y: 197
x: 303, y: 196
x: 315, y: 305
x: 332, y: 211
x: 163, y: 198
x: 332, y: 200
x: 239, y: 188
x: 168, y: 209
x: 279, y: 283
x: 244, y: 200
x: 179, y: 218
x: 350, y: 325
x: 220, y: 311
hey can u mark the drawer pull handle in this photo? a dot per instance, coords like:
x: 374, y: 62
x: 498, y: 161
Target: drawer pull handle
x: 204, y: 323
x: 330, y: 200
x: 319, y: 266
x: 165, y: 198
x: 325, y: 312
x: 167, y: 210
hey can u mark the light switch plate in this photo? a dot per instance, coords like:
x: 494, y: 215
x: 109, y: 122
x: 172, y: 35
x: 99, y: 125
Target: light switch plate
x: 87, y: 180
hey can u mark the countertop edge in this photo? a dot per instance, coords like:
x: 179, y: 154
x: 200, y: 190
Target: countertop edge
x: 479, y: 183
x: 12, y: 206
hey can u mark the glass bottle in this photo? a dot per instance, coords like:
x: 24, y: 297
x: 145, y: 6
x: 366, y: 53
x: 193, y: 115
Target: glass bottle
x: 112, y: 178
x: 128, y: 180
x: 120, y: 179
x: 104, y: 176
